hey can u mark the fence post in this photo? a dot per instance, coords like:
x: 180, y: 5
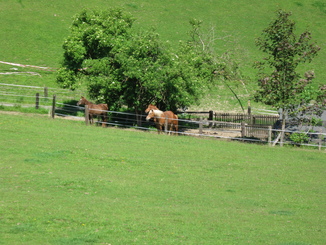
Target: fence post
x: 45, y: 92
x: 166, y: 124
x: 53, y: 106
x: 201, y: 126
x: 37, y: 102
x: 243, y: 129
x: 270, y: 135
x: 86, y: 115
x: 211, y: 118
x: 249, y: 112
x: 320, y: 139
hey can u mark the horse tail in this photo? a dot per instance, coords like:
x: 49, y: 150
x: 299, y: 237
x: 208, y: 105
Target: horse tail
x: 176, y: 123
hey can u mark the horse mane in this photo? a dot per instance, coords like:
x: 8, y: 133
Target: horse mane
x: 158, y: 112
x: 87, y: 102
x: 151, y: 107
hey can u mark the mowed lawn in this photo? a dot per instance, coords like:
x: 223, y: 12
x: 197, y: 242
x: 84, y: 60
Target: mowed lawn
x: 66, y: 183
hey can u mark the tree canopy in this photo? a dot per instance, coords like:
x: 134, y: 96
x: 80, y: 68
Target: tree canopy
x: 123, y: 67
x: 280, y: 85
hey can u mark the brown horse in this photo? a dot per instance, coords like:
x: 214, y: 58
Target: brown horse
x: 95, y: 110
x: 160, y: 118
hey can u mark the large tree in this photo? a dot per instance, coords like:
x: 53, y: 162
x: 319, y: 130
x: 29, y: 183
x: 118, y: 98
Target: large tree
x: 94, y: 36
x: 123, y: 67
x: 280, y: 84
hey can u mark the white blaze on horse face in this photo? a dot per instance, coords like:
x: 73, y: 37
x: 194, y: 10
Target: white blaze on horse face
x: 80, y: 102
x: 150, y: 115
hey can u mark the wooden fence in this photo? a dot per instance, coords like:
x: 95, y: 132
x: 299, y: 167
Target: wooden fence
x: 240, y: 126
x: 248, y: 118
x: 245, y: 125
x: 263, y: 133
x: 22, y: 94
x: 236, y: 123
x: 221, y: 119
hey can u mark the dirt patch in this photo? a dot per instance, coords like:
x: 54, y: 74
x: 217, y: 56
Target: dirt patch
x: 216, y: 133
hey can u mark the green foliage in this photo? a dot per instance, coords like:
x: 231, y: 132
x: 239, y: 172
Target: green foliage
x: 66, y: 78
x: 316, y: 121
x: 321, y: 98
x: 299, y: 138
x: 124, y: 67
x: 279, y: 83
x: 95, y: 35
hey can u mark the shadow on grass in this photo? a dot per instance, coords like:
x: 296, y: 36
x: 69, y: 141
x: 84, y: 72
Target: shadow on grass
x: 70, y: 108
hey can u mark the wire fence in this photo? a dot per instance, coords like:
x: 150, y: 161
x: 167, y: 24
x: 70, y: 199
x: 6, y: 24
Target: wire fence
x: 202, y: 127
x: 23, y: 94
x: 205, y: 128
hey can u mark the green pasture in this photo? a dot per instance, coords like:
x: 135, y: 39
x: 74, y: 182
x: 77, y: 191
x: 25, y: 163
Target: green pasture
x: 66, y: 183
x: 33, y: 34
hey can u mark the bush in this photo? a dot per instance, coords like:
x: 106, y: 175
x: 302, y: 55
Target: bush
x: 299, y: 138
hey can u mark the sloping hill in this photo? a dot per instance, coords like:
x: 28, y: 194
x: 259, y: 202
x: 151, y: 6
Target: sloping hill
x: 33, y: 31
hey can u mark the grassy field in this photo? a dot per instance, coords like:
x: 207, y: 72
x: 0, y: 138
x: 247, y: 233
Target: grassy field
x: 65, y: 183
x: 33, y: 33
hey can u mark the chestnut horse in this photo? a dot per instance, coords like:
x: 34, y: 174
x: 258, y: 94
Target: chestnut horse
x: 95, y: 110
x: 160, y: 118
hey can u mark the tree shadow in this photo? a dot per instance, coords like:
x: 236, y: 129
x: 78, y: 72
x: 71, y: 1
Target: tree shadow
x: 70, y: 108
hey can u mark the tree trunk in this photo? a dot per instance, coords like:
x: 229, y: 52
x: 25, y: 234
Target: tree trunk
x: 139, y: 119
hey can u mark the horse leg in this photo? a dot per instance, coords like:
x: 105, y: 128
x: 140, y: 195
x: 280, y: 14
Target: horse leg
x: 175, y: 124
x: 159, y: 128
x: 169, y: 128
x: 176, y: 129
x: 103, y: 120
x: 97, y: 120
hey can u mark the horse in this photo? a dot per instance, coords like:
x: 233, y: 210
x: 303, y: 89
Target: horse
x: 160, y: 118
x: 95, y: 110
x: 151, y: 107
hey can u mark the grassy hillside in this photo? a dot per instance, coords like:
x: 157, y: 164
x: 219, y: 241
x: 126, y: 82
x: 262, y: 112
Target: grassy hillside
x: 65, y: 183
x: 33, y: 31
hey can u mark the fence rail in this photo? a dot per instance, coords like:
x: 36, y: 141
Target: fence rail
x: 254, y: 119
x: 229, y: 126
x: 8, y: 91
x: 209, y: 128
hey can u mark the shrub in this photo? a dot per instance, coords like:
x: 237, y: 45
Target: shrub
x: 299, y: 138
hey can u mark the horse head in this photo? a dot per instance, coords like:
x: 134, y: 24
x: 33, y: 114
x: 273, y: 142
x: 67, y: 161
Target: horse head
x: 156, y: 114
x: 82, y: 101
x: 150, y: 115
